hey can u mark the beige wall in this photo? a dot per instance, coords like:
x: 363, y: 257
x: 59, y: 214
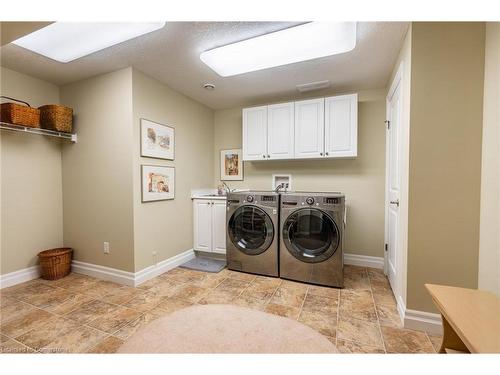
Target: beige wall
x: 445, y: 157
x: 97, y: 171
x: 167, y: 226
x: 361, y: 179
x: 489, y: 240
x: 31, y: 188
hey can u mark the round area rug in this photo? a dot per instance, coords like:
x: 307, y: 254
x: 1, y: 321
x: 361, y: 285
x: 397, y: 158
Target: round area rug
x: 226, y: 329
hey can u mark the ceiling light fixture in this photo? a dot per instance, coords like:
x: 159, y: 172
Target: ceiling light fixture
x: 300, y: 43
x: 68, y: 41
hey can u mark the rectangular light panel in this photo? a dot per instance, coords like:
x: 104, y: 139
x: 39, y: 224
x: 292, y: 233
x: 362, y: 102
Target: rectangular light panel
x: 300, y: 43
x: 68, y: 41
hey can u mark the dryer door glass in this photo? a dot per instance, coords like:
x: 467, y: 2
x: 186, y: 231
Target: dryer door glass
x: 251, y: 230
x: 311, y: 235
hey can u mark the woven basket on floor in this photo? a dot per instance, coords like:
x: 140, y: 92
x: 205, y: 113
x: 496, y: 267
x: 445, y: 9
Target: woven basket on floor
x: 56, y: 117
x: 56, y: 263
x: 18, y: 114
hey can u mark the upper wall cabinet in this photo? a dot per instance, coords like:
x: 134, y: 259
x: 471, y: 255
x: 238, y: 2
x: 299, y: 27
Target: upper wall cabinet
x: 280, y: 131
x: 308, y: 129
x: 268, y: 132
x: 341, y: 126
x: 255, y: 133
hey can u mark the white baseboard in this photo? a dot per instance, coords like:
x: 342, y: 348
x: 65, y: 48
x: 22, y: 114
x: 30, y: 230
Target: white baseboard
x: 102, y: 272
x: 18, y: 277
x: 364, y: 261
x: 401, y: 307
x: 423, y: 321
x: 163, y: 266
x: 419, y: 320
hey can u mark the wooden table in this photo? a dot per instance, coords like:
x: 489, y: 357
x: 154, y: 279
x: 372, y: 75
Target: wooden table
x: 471, y: 319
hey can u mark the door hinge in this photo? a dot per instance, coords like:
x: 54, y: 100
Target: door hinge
x: 388, y: 123
x: 386, y: 247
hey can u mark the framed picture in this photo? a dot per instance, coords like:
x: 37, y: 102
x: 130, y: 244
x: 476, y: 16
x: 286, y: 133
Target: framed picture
x: 158, y: 183
x: 231, y: 165
x: 157, y: 140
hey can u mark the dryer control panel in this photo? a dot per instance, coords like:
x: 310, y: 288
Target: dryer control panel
x: 304, y: 199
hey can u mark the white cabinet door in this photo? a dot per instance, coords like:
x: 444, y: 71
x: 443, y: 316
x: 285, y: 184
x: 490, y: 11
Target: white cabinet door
x: 255, y: 133
x: 219, y: 226
x: 309, y: 128
x: 280, y: 131
x: 341, y: 126
x: 202, y: 219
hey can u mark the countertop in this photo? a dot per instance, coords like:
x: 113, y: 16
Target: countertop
x: 209, y: 196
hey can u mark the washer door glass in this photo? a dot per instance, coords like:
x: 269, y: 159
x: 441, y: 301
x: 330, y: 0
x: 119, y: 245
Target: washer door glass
x: 251, y: 230
x: 311, y: 235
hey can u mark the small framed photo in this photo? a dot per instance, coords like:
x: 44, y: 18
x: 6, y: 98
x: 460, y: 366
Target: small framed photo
x: 231, y: 165
x: 158, y: 183
x: 157, y: 140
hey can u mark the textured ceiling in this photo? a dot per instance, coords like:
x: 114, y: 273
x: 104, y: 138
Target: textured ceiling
x: 10, y: 31
x: 171, y: 55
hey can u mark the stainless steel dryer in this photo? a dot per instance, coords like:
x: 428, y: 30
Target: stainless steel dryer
x: 312, y: 237
x: 252, y: 235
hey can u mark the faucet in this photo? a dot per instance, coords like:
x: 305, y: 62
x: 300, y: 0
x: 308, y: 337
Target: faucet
x: 227, y: 188
x: 280, y: 186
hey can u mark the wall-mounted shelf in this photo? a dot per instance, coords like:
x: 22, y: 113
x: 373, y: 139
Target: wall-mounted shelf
x: 49, y: 133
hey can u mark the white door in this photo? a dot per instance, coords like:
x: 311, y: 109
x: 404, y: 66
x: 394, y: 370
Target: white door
x: 309, y: 128
x: 393, y: 178
x: 280, y: 131
x: 341, y: 126
x: 202, y: 218
x: 219, y: 226
x: 255, y: 133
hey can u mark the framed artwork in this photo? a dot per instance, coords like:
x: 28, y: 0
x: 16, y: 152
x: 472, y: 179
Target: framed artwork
x: 158, y: 183
x: 157, y: 140
x: 231, y: 165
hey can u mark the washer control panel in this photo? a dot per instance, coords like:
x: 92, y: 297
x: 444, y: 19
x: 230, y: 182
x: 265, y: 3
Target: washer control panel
x: 310, y: 200
x: 249, y: 198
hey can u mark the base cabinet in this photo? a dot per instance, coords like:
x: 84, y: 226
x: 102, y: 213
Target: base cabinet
x: 209, y: 225
x: 219, y: 227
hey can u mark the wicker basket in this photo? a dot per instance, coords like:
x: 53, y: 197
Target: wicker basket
x: 19, y: 114
x: 56, y: 117
x: 56, y: 263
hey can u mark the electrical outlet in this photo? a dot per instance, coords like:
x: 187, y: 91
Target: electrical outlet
x: 106, y: 247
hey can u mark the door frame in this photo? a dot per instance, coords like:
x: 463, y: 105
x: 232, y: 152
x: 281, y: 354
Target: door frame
x: 402, y: 230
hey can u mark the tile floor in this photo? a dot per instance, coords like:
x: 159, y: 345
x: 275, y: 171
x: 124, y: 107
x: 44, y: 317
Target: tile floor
x: 81, y: 314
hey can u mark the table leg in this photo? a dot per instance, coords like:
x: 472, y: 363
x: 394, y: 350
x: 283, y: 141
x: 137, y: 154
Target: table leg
x: 451, y: 339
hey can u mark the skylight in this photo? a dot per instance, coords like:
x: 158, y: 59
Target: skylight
x: 68, y: 41
x: 300, y: 43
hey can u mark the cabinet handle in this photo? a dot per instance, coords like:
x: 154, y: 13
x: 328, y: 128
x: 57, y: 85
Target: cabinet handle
x: 321, y: 154
x: 264, y: 156
x: 326, y: 153
x: 268, y: 156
